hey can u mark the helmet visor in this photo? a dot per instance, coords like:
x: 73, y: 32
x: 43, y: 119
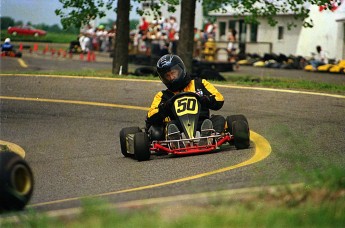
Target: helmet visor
x: 173, y: 74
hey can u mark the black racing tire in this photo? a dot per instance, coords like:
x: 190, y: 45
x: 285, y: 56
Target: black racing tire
x: 16, y: 182
x: 241, y: 134
x: 231, y: 119
x: 123, y: 134
x: 142, y: 146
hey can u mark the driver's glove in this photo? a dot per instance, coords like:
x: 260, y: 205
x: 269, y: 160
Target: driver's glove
x: 205, y: 101
x: 164, y: 107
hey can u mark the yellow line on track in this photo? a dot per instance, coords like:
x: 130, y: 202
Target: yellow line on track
x: 262, y: 150
x: 14, y: 148
x: 22, y: 63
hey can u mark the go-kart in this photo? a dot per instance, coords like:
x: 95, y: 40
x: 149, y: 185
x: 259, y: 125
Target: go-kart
x: 11, y: 54
x: 16, y: 181
x: 137, y: 144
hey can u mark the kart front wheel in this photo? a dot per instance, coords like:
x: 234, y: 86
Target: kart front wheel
x: 123, y: 141
x: 241, y: 134
x: 16, y: 182
x: 142, y: 146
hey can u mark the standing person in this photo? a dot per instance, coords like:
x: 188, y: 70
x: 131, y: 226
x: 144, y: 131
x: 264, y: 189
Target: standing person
x: 160, y: 119
x: 197, y: 43
x: 320, y: 58
x: 111, y: 37
x: 144, y: 25
x: 232, y: 48
x: 173, y: 39
x: 85, y: 43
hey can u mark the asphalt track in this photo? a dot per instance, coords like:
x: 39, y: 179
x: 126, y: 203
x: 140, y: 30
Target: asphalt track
x: 68, y: 127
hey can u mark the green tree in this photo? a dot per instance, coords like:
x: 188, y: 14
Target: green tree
x: 186, y: 41
x: 120, y: 59
x: 6, y: 22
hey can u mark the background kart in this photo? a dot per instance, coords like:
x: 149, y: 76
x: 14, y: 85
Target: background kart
x: 137, y: 144
x: 11, y: 54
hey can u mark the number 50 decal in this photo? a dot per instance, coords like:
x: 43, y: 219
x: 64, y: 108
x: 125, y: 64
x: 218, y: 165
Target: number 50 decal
x: 186, y: 105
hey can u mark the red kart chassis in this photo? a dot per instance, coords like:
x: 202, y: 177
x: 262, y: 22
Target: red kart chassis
x: 191, y: 145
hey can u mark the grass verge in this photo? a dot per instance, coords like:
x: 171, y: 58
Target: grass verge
x: 284, y: 83
x: 51, y: 37
x: 319, y: 203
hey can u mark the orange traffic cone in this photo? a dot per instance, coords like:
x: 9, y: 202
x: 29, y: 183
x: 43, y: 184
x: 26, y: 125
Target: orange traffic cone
x: 45, y: 50
x: 89, y: 56
x: 93, y: 56
x: 35, y: 47
x: 81, y: 57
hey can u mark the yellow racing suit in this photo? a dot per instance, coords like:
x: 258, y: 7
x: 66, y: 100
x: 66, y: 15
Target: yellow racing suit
x: 200, y: 86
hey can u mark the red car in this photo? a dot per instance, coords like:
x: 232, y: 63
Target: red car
x: 25, y: 30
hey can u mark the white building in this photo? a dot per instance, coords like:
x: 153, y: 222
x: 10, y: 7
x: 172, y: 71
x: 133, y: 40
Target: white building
x: 328, y: 31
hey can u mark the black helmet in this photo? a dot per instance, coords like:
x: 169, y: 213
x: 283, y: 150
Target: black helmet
x: 172, y: 72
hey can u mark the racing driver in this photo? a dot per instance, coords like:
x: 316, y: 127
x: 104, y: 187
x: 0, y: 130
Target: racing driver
x: 172, y: 73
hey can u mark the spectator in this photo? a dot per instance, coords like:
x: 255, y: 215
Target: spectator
x: 319, y: 58
x: 173, y: 24
x: 85, y: 42
x: 232, y: 47
x: 101, y: 36
x: 197, y: 43
x: 173, y: 38
x: 144, y: 25
x: 111, y: 37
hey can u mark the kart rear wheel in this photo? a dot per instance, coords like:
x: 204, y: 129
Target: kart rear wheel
x: 123, y: 134
x: 241, y: 134
x: 231, y: 119
x: 16, y: 182
x: 142, y: 146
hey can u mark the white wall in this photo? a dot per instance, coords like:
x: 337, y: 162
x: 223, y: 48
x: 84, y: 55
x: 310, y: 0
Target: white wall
x: 326, y: 32
x: 287, y: 45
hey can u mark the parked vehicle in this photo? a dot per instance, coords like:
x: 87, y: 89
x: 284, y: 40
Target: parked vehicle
x: 25, y: 30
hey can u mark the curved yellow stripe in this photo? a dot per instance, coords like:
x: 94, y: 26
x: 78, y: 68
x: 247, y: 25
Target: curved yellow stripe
x: 14, y: 148
x: 262, y: 150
